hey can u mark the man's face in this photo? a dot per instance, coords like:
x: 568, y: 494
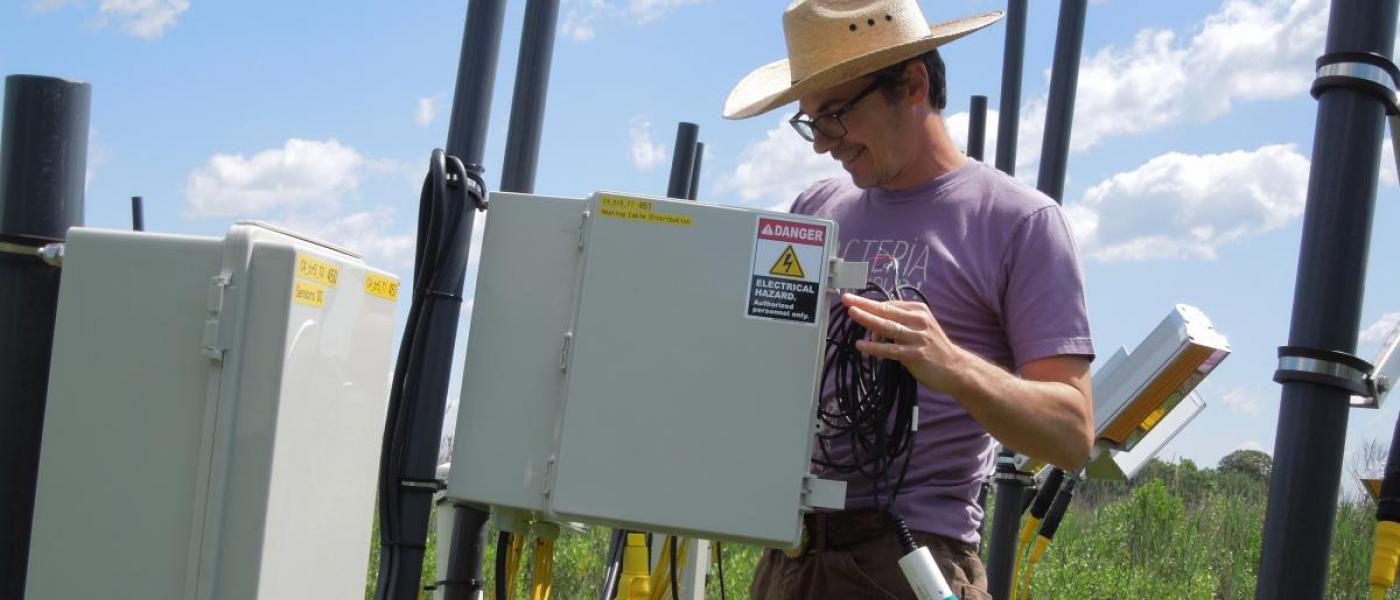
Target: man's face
x: 869, y: 150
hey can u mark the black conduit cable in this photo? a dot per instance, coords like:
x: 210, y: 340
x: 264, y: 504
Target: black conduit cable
x: 440, y: 259
x: 675, y: 585
x: 502, y: 557
x: 719, y: 557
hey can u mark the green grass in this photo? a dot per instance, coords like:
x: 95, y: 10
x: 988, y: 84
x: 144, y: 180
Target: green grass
x: 1178, y: 532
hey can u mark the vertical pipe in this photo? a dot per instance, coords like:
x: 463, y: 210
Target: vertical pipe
x: 683, y: 160
x: 1012, y: 486
x: 476, y: 77
x: 531, y: 87
x: 1059, y: 111
x: 1009, y: 115
x: 977, y: 128
x: 466, y: 140
x: 138, y: 214
x: 1326, y: 311
x: 695, y: 172
x: 43, y: 164
x: 467, y: 548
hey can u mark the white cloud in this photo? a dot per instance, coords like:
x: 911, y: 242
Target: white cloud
x: 646, y: 154
x: 1378, y: 332
x: 146, y: 19
x: 1247, y: 50
x: 1241, y: 402
x: 427, y: 111
x: 772, y: 171
x: 370, y: 233
x: 579, y: 15
x: 1181, y: 205
x: 1252, y: 445
x: 302, y: 172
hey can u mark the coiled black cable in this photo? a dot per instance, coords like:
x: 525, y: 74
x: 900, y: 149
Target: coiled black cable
x: 873, y: 408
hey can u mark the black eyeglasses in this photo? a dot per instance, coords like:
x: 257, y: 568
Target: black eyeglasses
x: 830, y: 124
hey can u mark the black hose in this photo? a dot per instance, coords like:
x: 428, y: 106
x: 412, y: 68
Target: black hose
x: 675, y: 584
x: 719, y: 557
x: 502, y: 557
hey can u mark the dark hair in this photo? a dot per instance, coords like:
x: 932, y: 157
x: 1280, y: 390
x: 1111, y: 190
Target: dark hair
x: 937, y: 77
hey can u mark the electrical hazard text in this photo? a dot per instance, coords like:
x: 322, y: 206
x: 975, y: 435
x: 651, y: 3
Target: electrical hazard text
x: 783, y: 299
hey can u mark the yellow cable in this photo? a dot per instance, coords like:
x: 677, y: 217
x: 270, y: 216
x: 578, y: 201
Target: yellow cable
x: 1384, y: 557
x: 542, y: 566
x: 1027, y: 533
x: 634, y: 584
x: 1041, y: 543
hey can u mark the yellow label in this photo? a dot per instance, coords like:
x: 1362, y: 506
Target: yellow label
x: 787, y: 265
x: 634, y: 209
x: 309, y: 294
x: 317, y: 270
x: 382, y: 286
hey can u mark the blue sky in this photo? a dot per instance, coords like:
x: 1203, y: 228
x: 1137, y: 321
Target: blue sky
x: 1187, y: 178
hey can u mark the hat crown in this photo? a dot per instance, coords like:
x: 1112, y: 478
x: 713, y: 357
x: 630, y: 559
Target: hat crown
x: 823, y: 33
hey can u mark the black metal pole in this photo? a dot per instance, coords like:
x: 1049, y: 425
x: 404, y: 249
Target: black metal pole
x: 695, y: 172
x: 1326, y: 311
x: 138, y: 214
x: 977, y: 128
x: 43, y: 165
x: 531, y: 87
x: 683, y: 160
x: 467, y: 547
x: 1059, y: 110
x: 1012, y: 487
x: 466, y: 140
x: 476, y: 77
x: 1009, y: 115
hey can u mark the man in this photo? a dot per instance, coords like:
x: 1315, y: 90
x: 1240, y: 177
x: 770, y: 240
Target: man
x: 1003, y: 344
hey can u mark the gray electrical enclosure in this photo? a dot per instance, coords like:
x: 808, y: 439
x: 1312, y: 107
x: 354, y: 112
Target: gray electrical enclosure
x: 646, y: 363
x: 214, y: 415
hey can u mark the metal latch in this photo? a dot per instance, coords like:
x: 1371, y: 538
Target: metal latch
x: 843, y: 275
x: 823, y: 493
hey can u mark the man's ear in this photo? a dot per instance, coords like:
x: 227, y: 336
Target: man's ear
x: 916, y: 83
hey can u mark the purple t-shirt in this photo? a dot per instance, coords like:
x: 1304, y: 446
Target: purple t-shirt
x: 1001, y: 272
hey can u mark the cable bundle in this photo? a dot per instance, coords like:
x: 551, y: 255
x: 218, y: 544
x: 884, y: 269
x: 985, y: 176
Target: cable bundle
x: 408, y: 457
x: 874, y: 404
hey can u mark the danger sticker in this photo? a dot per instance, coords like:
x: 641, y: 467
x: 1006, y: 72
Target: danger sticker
x: 787, y: 262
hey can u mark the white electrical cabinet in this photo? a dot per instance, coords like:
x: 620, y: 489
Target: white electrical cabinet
x: 214, y: 418
x: 646, y: 363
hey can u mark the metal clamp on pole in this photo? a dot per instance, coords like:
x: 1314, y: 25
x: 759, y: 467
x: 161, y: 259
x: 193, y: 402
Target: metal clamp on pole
x: 1326, y: 367
x: 51, y: 254
x: 1366, y: 72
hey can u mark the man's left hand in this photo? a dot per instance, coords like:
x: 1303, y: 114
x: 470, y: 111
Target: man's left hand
x: 911, y: 336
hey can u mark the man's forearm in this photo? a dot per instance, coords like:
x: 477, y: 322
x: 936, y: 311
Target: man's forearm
x: 1050, y: 421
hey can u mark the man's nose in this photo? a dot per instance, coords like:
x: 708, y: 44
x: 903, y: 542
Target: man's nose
x: 821, y: 144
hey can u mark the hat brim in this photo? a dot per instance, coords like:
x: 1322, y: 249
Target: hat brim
x: 771, y: 86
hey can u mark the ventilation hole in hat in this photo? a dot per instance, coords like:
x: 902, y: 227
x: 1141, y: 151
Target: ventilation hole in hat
x: 870, y: 22
x: 853, y: 26
x: 889, y: 18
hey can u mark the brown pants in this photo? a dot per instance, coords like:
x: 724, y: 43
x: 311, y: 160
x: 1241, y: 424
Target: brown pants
x: 866, y: 570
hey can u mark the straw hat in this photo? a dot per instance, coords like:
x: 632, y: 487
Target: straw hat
x: 830, y: 42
